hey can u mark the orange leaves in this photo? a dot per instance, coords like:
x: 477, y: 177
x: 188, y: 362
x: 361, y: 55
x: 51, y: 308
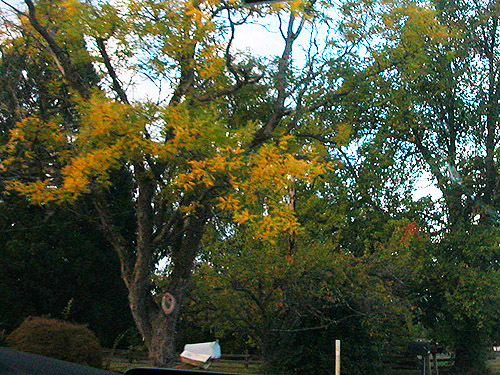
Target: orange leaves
x: 38, y: 191
x: 417, y: 32
x: 198, y: 12
x: 89, y: 168
x: 211, y: 63
x: 185, y: 24
x: 275, y: 169
x: 263, y: 183
x: 33, y: 130
x: 243, y: 216
x: 224, y: 161
x: 29, y: 151
x: 71, y: 7
x: 76, y: 161
x: 269, y: 227
x: 106, y: 123
x: 422, y: 22
x: 195, y: 13
x: 256, y: 187
x: 109, y: 132
x: 198, y: 149
x: 229, y: 203
x: 411, y: 233
x: 200, y: 132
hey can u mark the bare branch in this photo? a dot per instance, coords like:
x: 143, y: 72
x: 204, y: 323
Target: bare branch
x: 21, y: 13
x: 60, y: 57
x: 117, y: 240
x: 117, y: 87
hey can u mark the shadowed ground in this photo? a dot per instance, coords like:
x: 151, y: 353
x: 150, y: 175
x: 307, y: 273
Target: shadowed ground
x: 13, y: 362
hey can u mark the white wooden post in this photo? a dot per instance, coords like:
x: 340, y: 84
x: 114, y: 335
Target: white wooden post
x: 337, y: 357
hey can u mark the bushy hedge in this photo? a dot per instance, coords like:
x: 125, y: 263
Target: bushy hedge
x: 57, y: 339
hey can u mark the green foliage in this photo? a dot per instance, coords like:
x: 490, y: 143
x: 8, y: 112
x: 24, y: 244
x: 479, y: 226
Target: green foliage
x: 459, y: 294
x: 288, y: 187
x: 57, y: 339
x: 199, y: 153
x: 313, y: 352
x: 440, y: 106
x: 82, y: 267
x: 292, y: 306
x: 64, y: 240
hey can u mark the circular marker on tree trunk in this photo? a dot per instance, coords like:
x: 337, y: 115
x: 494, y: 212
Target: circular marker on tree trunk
x: 168, y: 303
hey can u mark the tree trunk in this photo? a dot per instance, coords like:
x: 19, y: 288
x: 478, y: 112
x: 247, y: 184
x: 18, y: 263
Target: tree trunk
x: 156, y: 326
x: 470, y: 353
x: 162, y: 348
x: 155, y: 316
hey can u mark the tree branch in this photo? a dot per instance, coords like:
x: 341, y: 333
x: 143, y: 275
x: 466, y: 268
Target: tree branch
x: 117, y: 240
x: 60, y: 57
x: 117, y: 87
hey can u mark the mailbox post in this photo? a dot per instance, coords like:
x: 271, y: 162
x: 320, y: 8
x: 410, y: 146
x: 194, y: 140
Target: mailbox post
x: 424, y: 349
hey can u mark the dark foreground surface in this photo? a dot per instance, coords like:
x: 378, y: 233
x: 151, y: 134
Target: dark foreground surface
x: 13, y: 362
x: 172, y: 371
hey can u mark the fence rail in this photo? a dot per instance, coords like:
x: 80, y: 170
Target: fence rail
x: 134, y: 355
x: 395, y: 361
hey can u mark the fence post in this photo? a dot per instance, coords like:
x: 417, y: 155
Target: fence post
x: 436, y: 368
x: 337, y: 357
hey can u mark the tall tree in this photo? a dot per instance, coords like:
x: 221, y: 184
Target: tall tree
x: 227, y: 137
x: 440, y: 105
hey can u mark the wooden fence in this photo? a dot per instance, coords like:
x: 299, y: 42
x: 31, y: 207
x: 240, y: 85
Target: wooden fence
x: 396, y: 362
x: 139, y: 356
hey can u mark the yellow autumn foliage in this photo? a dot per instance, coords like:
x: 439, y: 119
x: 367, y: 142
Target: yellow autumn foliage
x: 197, y: 148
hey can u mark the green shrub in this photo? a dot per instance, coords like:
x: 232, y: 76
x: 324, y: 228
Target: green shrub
x: 57, y: 339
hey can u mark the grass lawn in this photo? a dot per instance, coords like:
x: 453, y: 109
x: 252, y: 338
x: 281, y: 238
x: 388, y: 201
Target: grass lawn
x: 234, y: 366
x: 119, y: 364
